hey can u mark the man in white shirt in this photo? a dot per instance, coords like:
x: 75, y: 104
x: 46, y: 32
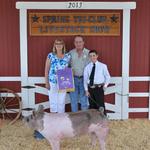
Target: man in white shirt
x: 96, y: 80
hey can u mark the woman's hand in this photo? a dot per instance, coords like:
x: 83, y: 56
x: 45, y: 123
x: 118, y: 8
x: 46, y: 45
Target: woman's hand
x: 47, y: 85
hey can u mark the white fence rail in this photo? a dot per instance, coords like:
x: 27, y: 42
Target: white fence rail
x: 116, y: 88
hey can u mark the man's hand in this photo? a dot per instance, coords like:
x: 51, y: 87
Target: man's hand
x: 87, y: 93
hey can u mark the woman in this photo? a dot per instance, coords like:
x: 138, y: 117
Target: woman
x: 56, y: 60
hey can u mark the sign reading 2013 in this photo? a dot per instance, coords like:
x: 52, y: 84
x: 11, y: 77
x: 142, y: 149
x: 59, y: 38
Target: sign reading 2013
x: 52, y: 24
x: 74, y: 5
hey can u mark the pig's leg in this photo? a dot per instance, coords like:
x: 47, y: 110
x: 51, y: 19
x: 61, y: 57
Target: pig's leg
x: 93, y: 138
x: 101, y: 135
x: 101, y: 140
x: 55, y: 143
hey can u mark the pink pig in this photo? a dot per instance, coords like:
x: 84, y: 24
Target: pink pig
x: 56, y: 126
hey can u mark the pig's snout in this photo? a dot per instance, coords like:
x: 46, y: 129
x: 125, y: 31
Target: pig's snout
x: 27, y: 120
x: 22, y: 118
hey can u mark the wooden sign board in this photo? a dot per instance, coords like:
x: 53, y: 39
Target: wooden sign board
x: 66, y: 24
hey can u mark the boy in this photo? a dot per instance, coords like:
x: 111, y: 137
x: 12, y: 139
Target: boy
x: 96, y: 80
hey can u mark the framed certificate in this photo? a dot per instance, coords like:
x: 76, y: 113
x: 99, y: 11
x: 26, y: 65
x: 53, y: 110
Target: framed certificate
x: 65, y: 80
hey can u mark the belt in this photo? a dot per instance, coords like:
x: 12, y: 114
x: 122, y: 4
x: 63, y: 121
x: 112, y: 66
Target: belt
x: 78, y: 77
x: 95, y: 85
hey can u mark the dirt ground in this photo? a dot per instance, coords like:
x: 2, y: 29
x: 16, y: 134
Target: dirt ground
x: 123, y: 135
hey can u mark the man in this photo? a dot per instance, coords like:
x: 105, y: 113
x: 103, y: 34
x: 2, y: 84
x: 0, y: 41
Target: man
x: 79, y: 59
x: 96, y: 80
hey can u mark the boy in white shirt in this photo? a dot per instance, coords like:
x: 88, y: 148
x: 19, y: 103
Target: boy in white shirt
x: 96, y: 80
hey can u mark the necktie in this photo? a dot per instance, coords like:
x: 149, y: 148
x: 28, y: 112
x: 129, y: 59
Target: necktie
x: 92, y: 75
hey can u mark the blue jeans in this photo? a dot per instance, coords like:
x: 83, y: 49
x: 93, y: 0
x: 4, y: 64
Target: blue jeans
x: 78, y: 94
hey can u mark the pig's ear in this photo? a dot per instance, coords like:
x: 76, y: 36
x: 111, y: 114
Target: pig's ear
x: 40, y: 112
x: 101, y: 109
x: 40, y: 108
x: 34, y: 113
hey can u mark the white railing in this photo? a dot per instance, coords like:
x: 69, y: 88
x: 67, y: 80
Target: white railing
x: 116, y: 108
x: 140, y: 94
x: 29, y: 99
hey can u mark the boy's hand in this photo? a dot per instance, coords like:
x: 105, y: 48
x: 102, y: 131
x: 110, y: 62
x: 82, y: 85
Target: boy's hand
x: 104, y: 88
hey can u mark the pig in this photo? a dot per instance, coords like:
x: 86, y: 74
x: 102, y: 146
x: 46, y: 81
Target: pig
x: 57, y: 126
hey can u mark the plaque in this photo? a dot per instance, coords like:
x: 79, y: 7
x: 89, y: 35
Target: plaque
x: 65, y: 80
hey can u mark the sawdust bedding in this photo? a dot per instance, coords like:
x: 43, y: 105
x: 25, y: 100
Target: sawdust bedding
x: 123, y: 135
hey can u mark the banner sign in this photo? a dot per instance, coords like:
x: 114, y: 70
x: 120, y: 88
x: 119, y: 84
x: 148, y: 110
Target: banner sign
x: 65, y: 80
x: 65, y: 24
